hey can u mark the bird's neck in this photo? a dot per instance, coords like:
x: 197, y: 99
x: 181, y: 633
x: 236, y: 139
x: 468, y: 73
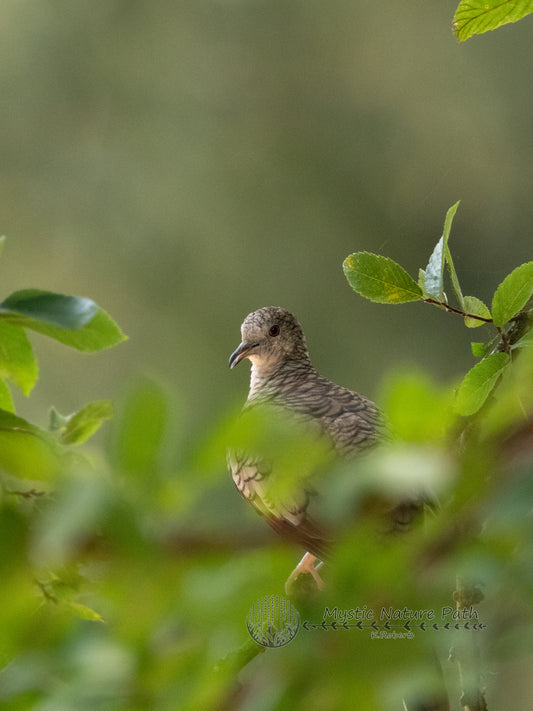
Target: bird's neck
x: 268, y: 377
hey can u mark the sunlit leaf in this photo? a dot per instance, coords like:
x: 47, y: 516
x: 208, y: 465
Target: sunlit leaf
x: 83, y: 424
x: 474, y: 306
x: 512, y: 294
x: 25, y: 450
x: 447, y: 254
x: 478, y: 16
x: 17, y: 360
x: 479, y: 382
x: 84, y: 612
x: 380, y: 279
x: 6, y: 399
x: 479, y: 350
x: 422, y: 280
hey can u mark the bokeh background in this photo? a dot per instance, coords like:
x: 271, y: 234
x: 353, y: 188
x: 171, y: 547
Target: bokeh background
x: 184, y: 163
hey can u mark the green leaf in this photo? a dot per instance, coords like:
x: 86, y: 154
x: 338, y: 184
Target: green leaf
x: 83, y: 424
x: 380, y: 279
x: 99, y: 333
x: 447, y: 254
x: 417, y: 409
x: 86, y: 613
x: 17, y: 360
x: 74, y: 321
x: 473, y: 305
x: 6, y: 399
x: 141, y: 428
x: 474, y: 17
x: 71, y: 312
x: 25, y: 450
x: 512, y: 294
x: 479, y: 382
x: 479, y: 350
x: 422, y: 280
x: 434, y: 281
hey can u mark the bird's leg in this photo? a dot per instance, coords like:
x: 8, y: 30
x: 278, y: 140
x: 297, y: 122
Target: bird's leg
x: 306, y: 565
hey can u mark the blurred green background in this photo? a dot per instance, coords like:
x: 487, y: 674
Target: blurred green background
x: 184, y: 163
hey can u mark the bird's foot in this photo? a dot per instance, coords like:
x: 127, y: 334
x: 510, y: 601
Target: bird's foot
x: 306, y: 565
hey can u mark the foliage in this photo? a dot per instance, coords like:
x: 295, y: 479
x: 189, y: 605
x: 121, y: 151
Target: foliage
x: 28, y: 453
x: 477, y: 16
x: 126, y: 576
x: 380, y: 279
x: 127, y: 579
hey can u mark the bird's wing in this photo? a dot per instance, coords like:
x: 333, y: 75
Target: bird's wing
x: 281, y: 494
x: 353, y: 431
x: 310, y: 423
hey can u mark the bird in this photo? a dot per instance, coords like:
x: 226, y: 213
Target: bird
x: 284, y: 381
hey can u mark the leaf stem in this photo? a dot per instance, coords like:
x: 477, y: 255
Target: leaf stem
x: 505, y: 343
x: 453, y: 310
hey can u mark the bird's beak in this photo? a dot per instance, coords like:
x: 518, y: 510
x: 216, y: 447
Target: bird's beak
x: 241, y: 352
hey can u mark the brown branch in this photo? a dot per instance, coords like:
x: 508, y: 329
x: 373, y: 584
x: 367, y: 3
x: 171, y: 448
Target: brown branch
x: 31, y: 493
x: 46, y: 593
x: 453, y: 310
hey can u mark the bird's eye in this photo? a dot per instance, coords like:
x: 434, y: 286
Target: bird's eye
x: 274, y: 330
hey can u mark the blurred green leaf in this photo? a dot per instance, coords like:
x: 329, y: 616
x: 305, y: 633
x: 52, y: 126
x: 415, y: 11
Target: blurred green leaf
x: 84, y: 612
x: 514, y: 405
x: 140, y: 428
x: 80, y: 426
x: 56, y: 420
x: 479, y: 382
x: 417, y: 409
x: 474, y: 17
x: 17, y: 360
x: 434, y: 281
x: 70, y: 312
x: 380, y: 279
x: 447, y: 254
x: 512, y: 294
x: 25, y: 450
x: 473, y: 305
x: 6, y: 399
x: 479, y: 350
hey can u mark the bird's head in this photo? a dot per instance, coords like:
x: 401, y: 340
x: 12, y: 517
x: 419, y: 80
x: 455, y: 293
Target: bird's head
x: 270, y: 336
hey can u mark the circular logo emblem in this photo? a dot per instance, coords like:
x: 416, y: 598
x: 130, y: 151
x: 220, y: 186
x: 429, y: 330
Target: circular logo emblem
x: 273, y: 621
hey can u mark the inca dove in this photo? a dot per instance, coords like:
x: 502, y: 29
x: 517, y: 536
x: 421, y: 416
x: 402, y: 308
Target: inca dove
x: 283, y: 378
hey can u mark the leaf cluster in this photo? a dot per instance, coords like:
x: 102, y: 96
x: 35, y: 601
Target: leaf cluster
x: 382, y: 280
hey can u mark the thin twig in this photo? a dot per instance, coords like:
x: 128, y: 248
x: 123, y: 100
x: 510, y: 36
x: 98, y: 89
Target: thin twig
x: 453, y: 310
x: 31, y: 493
x: 46, y: 593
